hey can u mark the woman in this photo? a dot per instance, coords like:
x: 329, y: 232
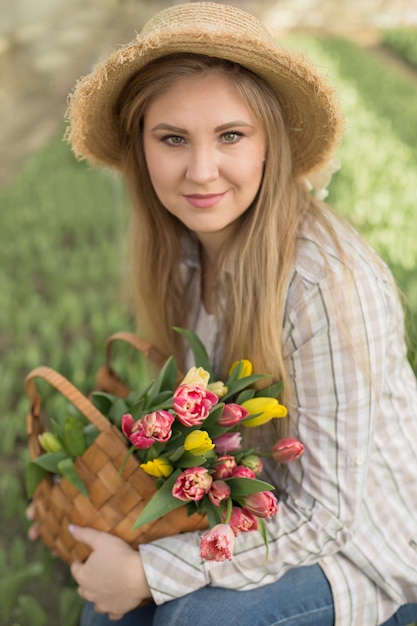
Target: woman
x: 220, y: 135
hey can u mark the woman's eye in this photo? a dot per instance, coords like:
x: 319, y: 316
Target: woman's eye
x: 231, y: 137
x: 173, y: 140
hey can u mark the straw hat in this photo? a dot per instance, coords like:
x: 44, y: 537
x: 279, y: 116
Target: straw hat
x: 308, y: 103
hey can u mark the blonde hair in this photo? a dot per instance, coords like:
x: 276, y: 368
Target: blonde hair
x: 254, y: 268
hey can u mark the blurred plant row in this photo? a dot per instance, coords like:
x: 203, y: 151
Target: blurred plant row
x: 403, y: 42
x: 62, y: 245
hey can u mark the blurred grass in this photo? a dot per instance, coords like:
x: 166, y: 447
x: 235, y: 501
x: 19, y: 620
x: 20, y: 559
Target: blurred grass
x: 61, y: 249
x: 403, y: 42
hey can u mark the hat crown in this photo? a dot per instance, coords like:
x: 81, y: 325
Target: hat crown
x: 206, y: 17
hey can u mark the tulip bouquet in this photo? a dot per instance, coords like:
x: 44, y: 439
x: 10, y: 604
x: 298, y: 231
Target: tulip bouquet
x: 187, y: 436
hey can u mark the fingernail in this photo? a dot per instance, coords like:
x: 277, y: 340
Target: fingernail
x: 72, y: 528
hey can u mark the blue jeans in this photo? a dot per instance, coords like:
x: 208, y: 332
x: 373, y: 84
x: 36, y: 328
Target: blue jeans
x: 302, y: 597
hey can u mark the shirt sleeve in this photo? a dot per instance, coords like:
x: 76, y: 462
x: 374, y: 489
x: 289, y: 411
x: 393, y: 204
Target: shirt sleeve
x: 335, y: 346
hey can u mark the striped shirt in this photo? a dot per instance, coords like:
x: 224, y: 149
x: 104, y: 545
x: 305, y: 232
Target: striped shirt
x: 350, y: 502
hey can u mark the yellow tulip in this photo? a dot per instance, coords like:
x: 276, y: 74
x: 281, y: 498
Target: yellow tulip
x: 160, y: 468
x: 246, y: 368
x: 269, y: 408
x: 196, y: 376
x: 219, y: 388
x: 198, y: 442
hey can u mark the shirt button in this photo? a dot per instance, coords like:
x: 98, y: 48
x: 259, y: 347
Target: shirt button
x: 359, y: 460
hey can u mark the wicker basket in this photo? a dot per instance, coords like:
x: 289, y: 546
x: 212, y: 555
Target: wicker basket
x: 115, y: 501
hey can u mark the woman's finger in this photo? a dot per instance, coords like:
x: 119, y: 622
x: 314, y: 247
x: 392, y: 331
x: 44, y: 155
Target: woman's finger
x: 30, y: 511
x: 33, y: 532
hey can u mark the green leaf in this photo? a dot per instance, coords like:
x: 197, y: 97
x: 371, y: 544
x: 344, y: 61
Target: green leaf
x: 102, y: 401
x: 91, y: 433
x: 262, y: 532
x: 162, y: 400
x: 33, y: 476
x: 137, y: 396
x: 58, y: 431
x: 212, y: 418
x: 199, y: 351
x: 190, y: 460
x: 246, y: 394
x: 229, y: 510
x: 67, y: 469
x: 272, y: 391
x: 74, y: 436
x: 242, y: 383
x: 246, y: 486
x: 175, y: 455
x: 214, y: 513
x: 31, y: 610
x: 161, y: 503
x: 168, y: 375
x: 17, y: 556
x: 118, y: 409
x: 70, y: 605
x: 164, y: 376
x: 50, y: 461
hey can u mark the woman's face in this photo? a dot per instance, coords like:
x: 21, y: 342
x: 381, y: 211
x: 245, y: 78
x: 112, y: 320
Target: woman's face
x: 205, y: 151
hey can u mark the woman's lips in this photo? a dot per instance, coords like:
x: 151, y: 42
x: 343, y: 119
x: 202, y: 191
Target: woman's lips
x: 204, y: 201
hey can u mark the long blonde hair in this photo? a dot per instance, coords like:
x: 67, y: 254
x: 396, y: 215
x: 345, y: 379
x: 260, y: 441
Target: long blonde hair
x: 254, y: 268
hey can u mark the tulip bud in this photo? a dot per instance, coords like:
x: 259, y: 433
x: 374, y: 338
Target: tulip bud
x: 49, y: 442
x: 265, y: 409
x: 219, y: 492
x: 232, y: 414
x: 261, y: 504
x: 228, y: 442
x: 198, y: 442
x: 287, y: 449
x: 246, y: 368
x: 160, y: 468
x: 196, y: 376
x: 253, y: 462
x: 218, y: 387
x: 217, y: 543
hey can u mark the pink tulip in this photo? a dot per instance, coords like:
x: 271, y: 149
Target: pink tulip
x: 219, y: 492
x: 228, y: 442
x: 217, y: 543
x: 262, y: 504
x: 192, y: 404
x: 158, y: 425
x: 134, y: 433
x: 242, y: 520
x: 243, y: 472
x: 224, y: 466
x: 144, y: 432
x: 192, y: 484
x: 232, y: 414
x: 287, y: 449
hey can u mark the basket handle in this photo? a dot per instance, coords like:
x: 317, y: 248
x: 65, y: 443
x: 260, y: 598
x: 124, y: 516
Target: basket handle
x: 108, y: 380
x: 139, y: 344
x: 67, y: 389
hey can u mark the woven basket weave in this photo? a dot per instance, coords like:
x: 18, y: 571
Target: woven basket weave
x: 115, y: 501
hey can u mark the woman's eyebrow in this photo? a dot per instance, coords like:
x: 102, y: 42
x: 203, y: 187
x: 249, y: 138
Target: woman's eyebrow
x: 232, y: 124
x: 174, y: 129
x: 183, y: 131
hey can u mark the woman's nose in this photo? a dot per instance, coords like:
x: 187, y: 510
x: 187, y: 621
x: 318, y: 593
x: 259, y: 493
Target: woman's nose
x: 202, y: 166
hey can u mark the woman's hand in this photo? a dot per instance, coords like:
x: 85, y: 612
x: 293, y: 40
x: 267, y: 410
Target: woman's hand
x: 112, y: 578
x: 33, y: 531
